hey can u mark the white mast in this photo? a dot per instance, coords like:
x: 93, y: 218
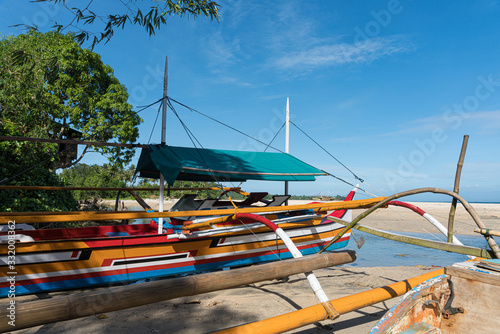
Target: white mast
x: 163, y: 142
x: 287, y: 123
x: 287, y: 138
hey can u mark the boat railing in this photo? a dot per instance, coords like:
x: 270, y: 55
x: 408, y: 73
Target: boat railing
x: 48, y: 217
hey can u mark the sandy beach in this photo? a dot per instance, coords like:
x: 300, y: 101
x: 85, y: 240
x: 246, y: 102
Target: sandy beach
x: 223, y: 309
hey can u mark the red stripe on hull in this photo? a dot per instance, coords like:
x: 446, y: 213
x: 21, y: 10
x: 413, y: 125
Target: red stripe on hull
x: 157, y: 267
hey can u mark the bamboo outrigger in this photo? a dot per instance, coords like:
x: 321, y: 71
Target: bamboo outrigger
x: 44, y: 311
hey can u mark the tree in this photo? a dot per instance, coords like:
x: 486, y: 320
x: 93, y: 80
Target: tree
x: 50, y: 86
x: 133, y: 12
x: 95, y: 176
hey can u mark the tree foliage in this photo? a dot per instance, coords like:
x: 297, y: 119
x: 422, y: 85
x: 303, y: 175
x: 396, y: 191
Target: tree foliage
x: 202, y: 194
x: 151, y: 15
x: 95, y: 176
x: 107, y: 176
x: 43, y: 200
x: 49, y: 85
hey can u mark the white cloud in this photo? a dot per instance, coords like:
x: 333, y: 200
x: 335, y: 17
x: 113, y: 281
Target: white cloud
x: 343, y: 53
x: 221, y: 51
x: 482, y: 120
x: 230, y: 80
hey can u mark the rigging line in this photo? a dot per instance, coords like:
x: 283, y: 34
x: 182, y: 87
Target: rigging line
x: 260, y: 240
x: 191, y: 136
x: 228, y: 126
x: 149, y: 105
x: 188, y: 131
x: 348, y: 183
x: 274, y: 136
x: 375, y: 190
x: 156, y: 119
x: 357, y: 177
x: 269, y: 145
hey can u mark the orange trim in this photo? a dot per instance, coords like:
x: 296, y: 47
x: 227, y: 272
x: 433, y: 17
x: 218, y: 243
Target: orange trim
x: 46, y: 217
x: 343, y: 305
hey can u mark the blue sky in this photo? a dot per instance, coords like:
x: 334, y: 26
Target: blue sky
x: 388, y: 87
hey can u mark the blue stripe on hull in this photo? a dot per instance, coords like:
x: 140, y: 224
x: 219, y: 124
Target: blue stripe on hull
x: 151, y: 274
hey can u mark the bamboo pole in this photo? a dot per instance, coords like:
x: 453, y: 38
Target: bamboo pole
x: 487, y: 232
x: 467, y: 206
x: 83, y: 304
x: 49, y: 217
x: 343, y: 305
x: 444, y: 246
x: 237, y: 189
x: 70, y: 141
x: 453, y: 207
x: 139, y: 200
x: 117, y: 200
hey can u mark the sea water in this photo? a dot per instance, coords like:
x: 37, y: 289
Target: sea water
x: 381, y: 252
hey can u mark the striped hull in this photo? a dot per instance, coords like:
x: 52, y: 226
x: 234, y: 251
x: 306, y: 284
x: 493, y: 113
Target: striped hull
x: 43, y: 266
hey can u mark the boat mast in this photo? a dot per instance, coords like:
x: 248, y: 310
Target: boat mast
x: 287, y: 138
x: 163, y: 142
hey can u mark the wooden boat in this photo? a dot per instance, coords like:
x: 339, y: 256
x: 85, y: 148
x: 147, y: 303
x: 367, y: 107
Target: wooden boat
x: 462, y: 300
x: 69, y: 258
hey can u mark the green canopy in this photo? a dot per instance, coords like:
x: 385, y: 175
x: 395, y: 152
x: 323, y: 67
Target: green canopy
x: 193, y: 164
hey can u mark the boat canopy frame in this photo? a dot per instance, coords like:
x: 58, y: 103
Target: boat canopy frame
x: 200, y: 164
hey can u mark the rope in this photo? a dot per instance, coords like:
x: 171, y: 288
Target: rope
x: 331, y: 155
x: 262, y: 241
x: 156, y: 120
x: 274, y: 137
x: 228, y: 126
x: 191, y: 136
x: 348, y: 183
x: 269, y: 145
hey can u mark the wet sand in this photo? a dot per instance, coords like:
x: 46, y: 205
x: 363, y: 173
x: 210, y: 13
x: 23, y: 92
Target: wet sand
x: 223, y: 309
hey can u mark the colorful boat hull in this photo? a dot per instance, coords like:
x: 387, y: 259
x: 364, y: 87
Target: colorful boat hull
x: 127, y: 253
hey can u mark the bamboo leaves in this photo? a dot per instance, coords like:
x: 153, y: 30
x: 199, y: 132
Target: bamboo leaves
x: 134, y: 12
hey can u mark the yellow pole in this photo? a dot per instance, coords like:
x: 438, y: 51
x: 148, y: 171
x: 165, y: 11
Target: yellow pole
x: 313, y: 314
x: 51, y: 217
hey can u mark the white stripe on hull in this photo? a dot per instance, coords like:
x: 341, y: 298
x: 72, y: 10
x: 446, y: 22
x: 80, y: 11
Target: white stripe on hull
x: 156, y: 263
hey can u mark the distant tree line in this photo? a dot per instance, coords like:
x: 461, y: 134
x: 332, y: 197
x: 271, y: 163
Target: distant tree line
x: 105, y: 176
x: 109, y: 176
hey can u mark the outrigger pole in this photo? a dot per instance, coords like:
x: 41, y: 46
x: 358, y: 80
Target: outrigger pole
x: 163, y: 142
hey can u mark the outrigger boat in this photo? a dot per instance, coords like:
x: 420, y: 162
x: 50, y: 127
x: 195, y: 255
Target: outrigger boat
x: 194, y: 236
x: 69, y: 258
